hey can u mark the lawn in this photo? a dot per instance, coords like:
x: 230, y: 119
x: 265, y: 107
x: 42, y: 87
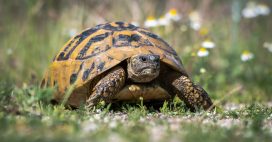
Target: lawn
x: 225, y: 46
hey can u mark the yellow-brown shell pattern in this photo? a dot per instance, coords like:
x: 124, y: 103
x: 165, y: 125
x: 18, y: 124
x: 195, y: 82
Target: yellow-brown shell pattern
x: 98, y: 49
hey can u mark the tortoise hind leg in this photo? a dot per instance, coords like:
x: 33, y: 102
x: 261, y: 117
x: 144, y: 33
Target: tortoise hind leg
x: 193, y: 95
x: 107, y: 87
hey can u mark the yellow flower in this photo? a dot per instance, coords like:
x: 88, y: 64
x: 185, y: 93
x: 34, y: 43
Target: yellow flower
x: 172, y: 11
x: 246, y: 56
x: 193, y: 54
x: 151, y: 22
x: 203, y: 31
x: 208, y: 44
x: 202, y: 52
x: 172, y: 14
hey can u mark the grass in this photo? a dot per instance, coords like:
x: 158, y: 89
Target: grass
x: 32, y: 32
x: 26, y: 116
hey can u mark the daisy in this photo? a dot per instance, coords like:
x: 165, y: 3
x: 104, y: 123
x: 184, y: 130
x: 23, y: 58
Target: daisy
x: 172, y: 14
x: 202, y: 52
x: 208, y: 44
x: 151, y: 22
x: 246, y: 56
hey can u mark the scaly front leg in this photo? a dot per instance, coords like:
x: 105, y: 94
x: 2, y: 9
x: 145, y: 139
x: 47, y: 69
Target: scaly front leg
x: 107, y: 87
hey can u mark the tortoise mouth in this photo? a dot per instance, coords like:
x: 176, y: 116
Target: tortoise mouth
x: 148, y: 70
x: 146, y: 75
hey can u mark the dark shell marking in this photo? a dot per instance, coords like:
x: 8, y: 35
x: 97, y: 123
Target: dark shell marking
x: 79, y: 38
x: 87, y: 72
x: 120, y: 40
x: 119, y: 26
x: 97, y: 38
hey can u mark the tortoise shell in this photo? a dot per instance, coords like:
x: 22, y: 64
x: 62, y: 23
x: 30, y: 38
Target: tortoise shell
x: 98, y: 49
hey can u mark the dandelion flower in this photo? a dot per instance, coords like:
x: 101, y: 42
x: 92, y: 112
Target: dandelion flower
x: 150, y: 22
x: 202, y: 52
x: 268, y: 46
x: 208, y: 44
x: 246, y: 56
x: 172, y: 14
x: 195, y: 20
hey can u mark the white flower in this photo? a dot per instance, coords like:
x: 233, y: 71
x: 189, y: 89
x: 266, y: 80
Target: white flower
x: 163, y: 21
x: 253, y: 10
x: 151, y: 22
x: 202, y: 70
x: 202, y: 52
x: 268, y: 45
x: 195, y: 20
x: 250, y: 10
x: 246, y: 55
x: 249, y: 13
x: 172, y: 14
x: 262, y: 9
x: 135, y: 23
x: 208, y: 44
x: 72, y: 32
x: 195, y: 25
x: 9, y: 51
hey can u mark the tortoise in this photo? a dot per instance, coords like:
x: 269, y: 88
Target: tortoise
x: 119, y: 62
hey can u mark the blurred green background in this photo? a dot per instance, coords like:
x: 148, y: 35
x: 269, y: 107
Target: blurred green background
x: 224, y: 44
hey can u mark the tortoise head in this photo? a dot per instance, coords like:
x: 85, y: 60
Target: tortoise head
x: 143, y: 67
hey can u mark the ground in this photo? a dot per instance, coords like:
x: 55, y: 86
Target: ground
x: 26, y: 117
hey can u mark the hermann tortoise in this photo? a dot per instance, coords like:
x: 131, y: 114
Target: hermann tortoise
x: 119, y: 62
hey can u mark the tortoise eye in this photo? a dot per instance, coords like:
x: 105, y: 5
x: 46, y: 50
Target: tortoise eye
x: 154, y: 58
x: 143, y: 58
